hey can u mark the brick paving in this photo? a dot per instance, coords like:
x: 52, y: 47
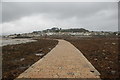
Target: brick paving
x: 63, y: 61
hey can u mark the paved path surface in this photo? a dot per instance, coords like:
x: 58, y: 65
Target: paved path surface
x: 64, y: 61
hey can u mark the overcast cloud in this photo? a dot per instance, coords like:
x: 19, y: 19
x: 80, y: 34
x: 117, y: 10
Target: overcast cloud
x: 18, y: 17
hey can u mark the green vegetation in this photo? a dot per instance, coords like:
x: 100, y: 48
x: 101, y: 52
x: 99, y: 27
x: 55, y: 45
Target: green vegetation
x: 65, y: 30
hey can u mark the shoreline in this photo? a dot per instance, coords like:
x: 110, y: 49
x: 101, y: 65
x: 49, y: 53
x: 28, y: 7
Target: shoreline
x: 10, y: 41
x: 18, y: 57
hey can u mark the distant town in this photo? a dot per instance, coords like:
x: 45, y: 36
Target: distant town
x: 81, y: 32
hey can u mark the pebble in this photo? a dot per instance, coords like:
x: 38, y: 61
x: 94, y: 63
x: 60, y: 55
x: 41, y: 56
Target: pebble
x: 40, y: 50
x: 59, y: 67
x: 101, y: 66
x: 92, y: 71
x: 22, y: 59
x: 114, y: 51
x: 103, y: 53
x: 49, y: 48
x: 39, y: 54
x: 113, y: 72
x: 56, y: 76
x: 103, y: 50
x: 22, y: 67
x: 110, y: 62
x: 106, y: 57
x: 77, y: 74
x: 108, y: 67
x: 95, y: 59
x: 113, y: 43
x: 70, y: 73
x: 106, y: 43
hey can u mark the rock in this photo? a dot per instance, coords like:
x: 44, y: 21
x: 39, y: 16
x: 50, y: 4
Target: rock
x: 40, y: 50
x: 108, y: 67
x: 22, y: 67
x: 106, y: 43
x: 103, y: 53
x: 113, y: 43
x: 103, y: 50
x: 114, y: 51
x: 92, y: 71
x: 39, y: 54
x: 113, y: 72
x: 59, y: 67
x: 70, y: 73
x: 101, y: 66
x: 22, y: 59
x: 56, y: 76
x: 49, y: 48
x: 76, y: 74
x: 110, y: 62
x: 95, y: 59
x: 106, y: 57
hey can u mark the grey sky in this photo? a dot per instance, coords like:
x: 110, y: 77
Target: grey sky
x: 20, y: 17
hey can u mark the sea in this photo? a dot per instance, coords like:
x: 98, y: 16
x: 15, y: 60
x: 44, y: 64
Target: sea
x: 9, y: 41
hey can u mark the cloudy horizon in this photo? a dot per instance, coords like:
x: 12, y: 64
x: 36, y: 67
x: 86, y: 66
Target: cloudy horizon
x: 21, y: 17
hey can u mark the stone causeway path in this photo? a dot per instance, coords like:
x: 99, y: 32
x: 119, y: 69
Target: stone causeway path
x: 63, y: 61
